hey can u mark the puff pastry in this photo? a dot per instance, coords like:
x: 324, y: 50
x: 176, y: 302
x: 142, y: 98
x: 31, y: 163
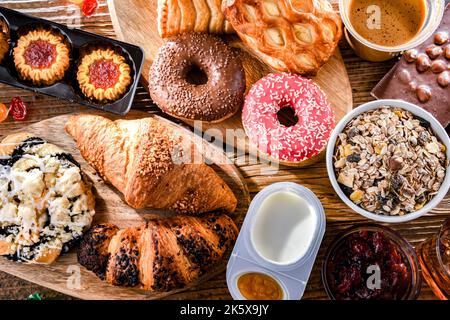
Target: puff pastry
x: 296, y: 36
x: 103, y: 75
x: 181, y: 16
x: 145, y: 160
x: 42, y: 57
x: 162, y: 255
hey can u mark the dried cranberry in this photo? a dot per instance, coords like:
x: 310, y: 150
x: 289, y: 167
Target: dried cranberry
x: 88, y: 7
x: 377, y: 241
x: 18, y: 109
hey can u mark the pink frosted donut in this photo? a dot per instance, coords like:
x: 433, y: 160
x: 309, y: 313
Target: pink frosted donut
x: 300, y: 142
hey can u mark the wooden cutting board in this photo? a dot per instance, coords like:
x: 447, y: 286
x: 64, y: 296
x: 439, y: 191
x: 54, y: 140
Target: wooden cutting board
x: 135, y: 21
x: 110, y: 207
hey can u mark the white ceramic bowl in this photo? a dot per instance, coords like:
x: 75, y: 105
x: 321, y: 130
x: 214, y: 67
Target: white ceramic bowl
x: 417, y: 111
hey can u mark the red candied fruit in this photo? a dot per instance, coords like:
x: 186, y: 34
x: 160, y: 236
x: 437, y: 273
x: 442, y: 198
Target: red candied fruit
x: 103, y: 74
x: 347, y: 269
x: 88, y: 7
x: 40, y: 54
x: 18, y: 109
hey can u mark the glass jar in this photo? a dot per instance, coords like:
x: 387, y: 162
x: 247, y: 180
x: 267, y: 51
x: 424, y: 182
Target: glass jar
x: 434, y: 257
x: 412, y: 286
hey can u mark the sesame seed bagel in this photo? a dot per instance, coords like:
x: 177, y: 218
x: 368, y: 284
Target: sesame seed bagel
x: 212, y: 100
x: 300, y: 144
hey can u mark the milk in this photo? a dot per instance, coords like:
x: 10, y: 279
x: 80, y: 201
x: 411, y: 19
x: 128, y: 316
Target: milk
x: 280, y: 237
x: 284, y: 227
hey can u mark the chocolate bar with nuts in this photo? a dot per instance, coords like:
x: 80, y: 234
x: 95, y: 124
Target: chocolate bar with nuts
x: 422, y: 76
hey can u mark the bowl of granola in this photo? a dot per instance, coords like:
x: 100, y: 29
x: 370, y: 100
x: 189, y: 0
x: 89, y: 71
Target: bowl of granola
x: 388, y: 160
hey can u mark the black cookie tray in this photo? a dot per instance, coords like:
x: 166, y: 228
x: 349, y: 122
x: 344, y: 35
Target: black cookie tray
x: 67, y: 88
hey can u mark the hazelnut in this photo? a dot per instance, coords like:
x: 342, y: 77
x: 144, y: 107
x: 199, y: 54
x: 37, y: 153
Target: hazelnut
x: 441, y: 38
x: 404, y: 76
x: 411, y: 55
x: 395, y: 163
x: 444, y: 79
x: 423, y: 93
x: 423, y: 63
x: 434, y: 52
x: 447, y: 52
x: 438, y: 66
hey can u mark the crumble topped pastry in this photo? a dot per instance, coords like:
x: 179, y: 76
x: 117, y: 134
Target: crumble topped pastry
x: 389, y: 161
x: 41, y: 57
x: 45, y: 201
x: 103, y: 75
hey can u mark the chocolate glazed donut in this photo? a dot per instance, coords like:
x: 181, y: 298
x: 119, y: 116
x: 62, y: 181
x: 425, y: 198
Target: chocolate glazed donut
x: 174, y: 90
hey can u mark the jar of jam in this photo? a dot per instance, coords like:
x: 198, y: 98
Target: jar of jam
x: 371, y: 262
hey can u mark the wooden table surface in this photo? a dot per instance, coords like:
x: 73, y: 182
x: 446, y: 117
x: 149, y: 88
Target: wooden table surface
x: 363, y: 77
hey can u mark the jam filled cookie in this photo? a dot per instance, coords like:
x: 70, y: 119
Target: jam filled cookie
x: 103, y: 75
x: 42, y: 57
x: 46, y: 203
x: 4, y: 39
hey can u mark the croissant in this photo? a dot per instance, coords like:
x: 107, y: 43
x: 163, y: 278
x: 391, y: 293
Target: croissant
x: 162, y: 255
x: 181, y: 16
x: 144, y: 159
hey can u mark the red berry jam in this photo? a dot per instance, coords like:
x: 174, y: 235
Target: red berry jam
x: 103, y: 74
x: 40, y: 54
x: 367, y: 265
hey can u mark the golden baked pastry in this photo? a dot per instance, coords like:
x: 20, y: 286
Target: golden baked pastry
x: 47, y: 202
x: 4, y: 39
x: 42, y: 57
x: 144, y: 159
x: 296, y: 36
x: 162, y: 255
x: 103, y: 75
x: 181, y: 16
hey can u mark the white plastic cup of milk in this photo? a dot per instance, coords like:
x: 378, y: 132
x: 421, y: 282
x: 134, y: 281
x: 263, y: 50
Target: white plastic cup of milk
x: 286, y: 220
x: 280, y: 238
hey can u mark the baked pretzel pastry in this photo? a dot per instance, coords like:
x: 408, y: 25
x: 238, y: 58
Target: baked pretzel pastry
x: 289, y: 35
x: 181, y: 16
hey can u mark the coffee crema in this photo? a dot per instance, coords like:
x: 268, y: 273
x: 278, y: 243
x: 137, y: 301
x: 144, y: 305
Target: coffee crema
x: 388, y: 23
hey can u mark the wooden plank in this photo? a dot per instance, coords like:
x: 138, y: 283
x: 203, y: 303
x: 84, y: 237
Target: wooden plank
x: 128, y: 17
x: 363, y: 77
x: 110, y: 207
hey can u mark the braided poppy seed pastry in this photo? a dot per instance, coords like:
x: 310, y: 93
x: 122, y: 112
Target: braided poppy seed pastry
x: 171, y: 89
x: 296, y: 36
x: 162, y: 255
x: 181, y: 16
x: 103, y: 75
x: 46, y: 202
x: 42, y: 57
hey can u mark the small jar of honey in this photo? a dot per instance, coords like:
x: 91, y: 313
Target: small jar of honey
x: 259, y: 286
